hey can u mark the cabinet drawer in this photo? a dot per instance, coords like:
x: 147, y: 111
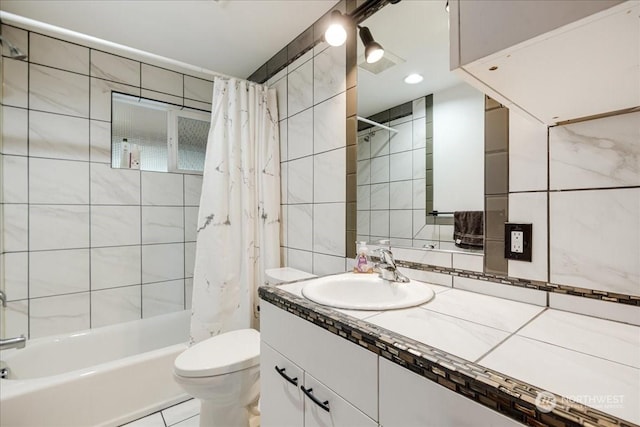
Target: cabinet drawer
x: 340, y: 413
x: 281, y: 399
x: 409, y: 400
x: 349, y: 370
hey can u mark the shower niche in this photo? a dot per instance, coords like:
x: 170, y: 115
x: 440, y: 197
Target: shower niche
x: 157, y: 136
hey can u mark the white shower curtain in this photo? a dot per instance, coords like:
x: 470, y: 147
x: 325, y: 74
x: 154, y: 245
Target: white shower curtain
x: 239, y: 216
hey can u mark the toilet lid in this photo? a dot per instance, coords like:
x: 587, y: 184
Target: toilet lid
x: 222, y: 354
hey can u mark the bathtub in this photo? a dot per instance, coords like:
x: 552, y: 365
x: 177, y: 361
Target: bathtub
x: 100, y: 377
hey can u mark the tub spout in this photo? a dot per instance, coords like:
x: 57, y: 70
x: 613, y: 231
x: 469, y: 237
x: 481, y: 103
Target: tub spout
x: 17, y: 342
x: 3, y: 298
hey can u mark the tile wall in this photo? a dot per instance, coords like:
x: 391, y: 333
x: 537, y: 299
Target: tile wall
x: 85, y: 245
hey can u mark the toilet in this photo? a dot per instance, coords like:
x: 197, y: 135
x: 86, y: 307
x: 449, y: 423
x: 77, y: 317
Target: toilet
x: 224, y: 373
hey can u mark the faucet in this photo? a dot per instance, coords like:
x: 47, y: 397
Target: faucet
x: 388, y: 269
x: 17, y: 342
x: 3, y: 298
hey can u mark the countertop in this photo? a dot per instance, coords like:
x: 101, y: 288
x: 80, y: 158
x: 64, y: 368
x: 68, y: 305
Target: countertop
x: 588, y: 360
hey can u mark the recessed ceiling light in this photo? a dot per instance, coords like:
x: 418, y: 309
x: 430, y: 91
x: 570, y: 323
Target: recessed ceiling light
x: 413, y: 79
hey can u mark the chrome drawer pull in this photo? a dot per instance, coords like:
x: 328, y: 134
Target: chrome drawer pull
x: 293, y: 381
x: 309, y: 392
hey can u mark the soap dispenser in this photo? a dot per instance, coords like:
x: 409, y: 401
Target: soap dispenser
x: 363, y: 262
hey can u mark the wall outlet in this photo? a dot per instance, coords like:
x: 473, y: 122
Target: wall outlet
x: 517, y: 241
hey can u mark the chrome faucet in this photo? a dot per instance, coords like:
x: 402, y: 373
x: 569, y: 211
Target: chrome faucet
x: 3, y: 298
x: 388, y: 269
x: 17, y: 342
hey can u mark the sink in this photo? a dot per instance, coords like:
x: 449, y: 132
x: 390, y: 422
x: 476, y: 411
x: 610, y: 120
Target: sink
x: 366, y: 292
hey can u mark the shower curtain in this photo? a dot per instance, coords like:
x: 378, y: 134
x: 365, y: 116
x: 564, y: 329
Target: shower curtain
x: 239, y: 217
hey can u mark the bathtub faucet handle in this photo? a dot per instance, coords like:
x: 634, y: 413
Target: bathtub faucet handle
x: 3, y: 298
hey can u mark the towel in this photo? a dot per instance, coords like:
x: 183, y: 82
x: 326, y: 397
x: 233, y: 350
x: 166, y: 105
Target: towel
x: 468, y: 229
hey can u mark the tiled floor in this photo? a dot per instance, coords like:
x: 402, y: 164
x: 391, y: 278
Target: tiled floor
x: 185, y: 414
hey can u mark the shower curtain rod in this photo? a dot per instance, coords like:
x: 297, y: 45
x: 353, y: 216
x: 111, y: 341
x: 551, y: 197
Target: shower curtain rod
x: 371, y: 122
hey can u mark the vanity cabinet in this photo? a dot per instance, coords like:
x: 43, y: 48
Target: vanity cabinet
x: 555, y: 61
x: 409, y: 400
x: 329, y: 368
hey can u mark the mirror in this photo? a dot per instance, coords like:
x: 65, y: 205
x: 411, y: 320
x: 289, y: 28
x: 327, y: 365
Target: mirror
x: 432, y: 157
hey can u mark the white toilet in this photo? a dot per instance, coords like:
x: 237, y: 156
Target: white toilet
x: 224, y: 373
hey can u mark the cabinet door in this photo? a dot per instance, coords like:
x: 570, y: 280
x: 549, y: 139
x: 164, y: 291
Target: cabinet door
x: 340, y: 413
x: 409, y: 400
x: 281, y: 399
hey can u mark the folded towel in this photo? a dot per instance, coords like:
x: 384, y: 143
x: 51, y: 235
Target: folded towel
x: 468, y: 229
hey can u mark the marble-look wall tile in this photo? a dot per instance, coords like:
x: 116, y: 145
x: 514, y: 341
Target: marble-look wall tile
x: 101, y: 97
x: 190, y: 223
x: 516, y: 293
x: 15, y: 130
x: 403, y: 139
x: 441, y: 259
x: 281, y: 94
x: 380, y: 196
x: 400, y: 224
x: 162, y: 80
x: 379, y: 139
x: 15, y: 83
x: 300, y: 135
x: 19, y: 38
x: 59, y: 314
x: 380, y: 170
x: 115, y: 225
x: 597, y: 153
x: 300, y: 180
x: 14, y: 179
x: 401, y: 195
x: 56, y: 53
x: 58, y: 272
x: 16, y: 318
x: 162, y: 262
x: 162, y: 224
x: 300, y: 227
x: 328, y: 228
x: 162, y: 97
x: 162, y: 298
x: 329, y: 73
x: 115, y: 266
x: 117, y: 305
x: 284, y: 183
x: 300, y: 88
x: 596, y: 308
x: 188, y: 293
x: 401, y: 166
x: 100, y: 141
x: 364, y: 148
x: 327, y: 264
x: 197, y: 105
x: 469, y: 262
x: 58, y: 227
x: 531, y: 208
x: 527, y: 153
x: 15, y: 227
x: 300, y: 260
x: 419, y: 197
x: 284, y: 140
x: 594, y: 239
x: 329, y: 125
x: 329, y: 176
x: 364, y: 223
x: 192, y: 190
x: 163, y: 189
x: 198, y: 89
x: 364, y: 172
x: 189, y: 258
x: 284, y: 227
x: 420, y: 163
x: 380, y: 223
x: 115, y: 68
x: 114, y: 186
x: 58, y: 91
x: 428, y: 277
x: 419, y: 132
x: 16, y: 275
x: 58, y: 137
x: 364, y: 197
x: 58, y: 181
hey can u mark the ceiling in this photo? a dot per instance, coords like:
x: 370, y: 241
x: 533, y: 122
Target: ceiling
x: 418, y: 32
x: 232, y: 37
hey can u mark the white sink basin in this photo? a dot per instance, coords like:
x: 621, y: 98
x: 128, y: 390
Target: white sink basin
x: 366, y: 292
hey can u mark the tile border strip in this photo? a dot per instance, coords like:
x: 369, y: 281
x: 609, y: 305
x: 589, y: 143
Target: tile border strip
x: 508, y: 396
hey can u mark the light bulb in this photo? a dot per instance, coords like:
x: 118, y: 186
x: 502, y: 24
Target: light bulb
x: 413, y: 79
x: 375, y: 55
x: 335, y: 35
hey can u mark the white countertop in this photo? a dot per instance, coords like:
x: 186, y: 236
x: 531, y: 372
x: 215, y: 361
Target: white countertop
x: 589, y: 360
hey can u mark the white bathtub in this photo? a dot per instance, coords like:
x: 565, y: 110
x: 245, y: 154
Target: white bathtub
x: 101, y: 377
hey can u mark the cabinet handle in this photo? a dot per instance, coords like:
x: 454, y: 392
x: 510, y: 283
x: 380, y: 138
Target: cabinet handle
x: 293, y: 381
x: 309, y: 392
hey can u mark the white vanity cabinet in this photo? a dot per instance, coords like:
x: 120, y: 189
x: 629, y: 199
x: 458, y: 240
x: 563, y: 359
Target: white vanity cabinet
x: 409, y: 400
x: 329, y: 368
x: 555, y: 61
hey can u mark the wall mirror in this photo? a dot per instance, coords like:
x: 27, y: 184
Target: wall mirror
x: 432, y: 157
x: 157, y: 136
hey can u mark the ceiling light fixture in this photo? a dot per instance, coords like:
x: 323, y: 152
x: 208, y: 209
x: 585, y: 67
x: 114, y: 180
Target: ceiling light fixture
x: 413, y: 79
x: 373, y: 51
x: 336, y: 34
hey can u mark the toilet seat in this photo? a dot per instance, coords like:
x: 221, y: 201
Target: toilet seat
x: 222, y: 354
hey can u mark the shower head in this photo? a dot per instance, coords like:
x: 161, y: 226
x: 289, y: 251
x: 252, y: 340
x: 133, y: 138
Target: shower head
x: 14, y: 52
